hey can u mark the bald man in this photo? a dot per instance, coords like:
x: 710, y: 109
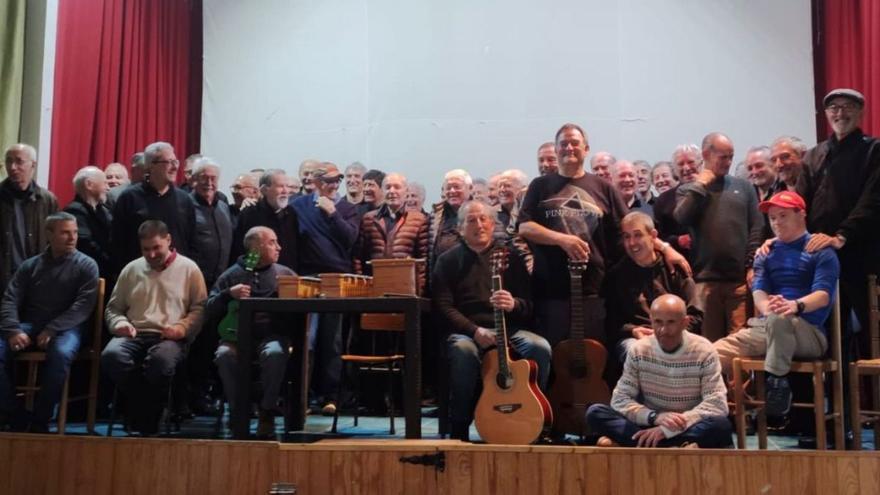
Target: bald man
x: 671, y: 393
x: 239, y: 282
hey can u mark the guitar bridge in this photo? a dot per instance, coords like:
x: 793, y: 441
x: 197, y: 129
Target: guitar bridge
x: 507, y: 408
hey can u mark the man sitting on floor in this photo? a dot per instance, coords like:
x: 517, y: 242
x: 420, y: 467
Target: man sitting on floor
x: 241, y: 281
x: 793, y: 290
x: 671, y: 392
x: 45, y: 305
x: 463, y: 298
x: 154, y: 313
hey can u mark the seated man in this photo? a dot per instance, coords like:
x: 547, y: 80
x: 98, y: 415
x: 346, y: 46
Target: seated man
x: 463, y: 297
x: 637, y: 279
x: 154, y: 312
x: 49, y: 298
x: 793, y: 290
x: 240, y: 281
x: 671, y: 392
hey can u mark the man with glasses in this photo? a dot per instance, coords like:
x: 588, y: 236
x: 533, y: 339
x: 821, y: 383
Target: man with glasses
x: 156, y: 198
x: 244, y: 193
x: 840, y: 183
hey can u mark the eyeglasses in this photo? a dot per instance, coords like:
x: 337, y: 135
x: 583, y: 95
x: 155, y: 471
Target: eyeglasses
x: 846, y: 107
x: 167, y: 162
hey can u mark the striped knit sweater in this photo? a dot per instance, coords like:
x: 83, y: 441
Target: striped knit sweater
x: 687, y: 381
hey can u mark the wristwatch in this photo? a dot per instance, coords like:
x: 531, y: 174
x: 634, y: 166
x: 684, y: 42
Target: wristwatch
x: 652, y: 418
x: 800, y: 307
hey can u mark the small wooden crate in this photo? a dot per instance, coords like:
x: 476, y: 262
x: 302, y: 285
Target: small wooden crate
x: 391, y: 276
x: 296, y: 287
x: 346, y: 285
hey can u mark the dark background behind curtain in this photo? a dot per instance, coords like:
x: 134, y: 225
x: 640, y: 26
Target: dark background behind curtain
x: 127, y: 73
x: 847, y: 54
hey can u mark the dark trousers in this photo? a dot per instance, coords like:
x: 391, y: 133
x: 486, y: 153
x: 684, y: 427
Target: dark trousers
x: 325, y: 340
x: 553, y: 319
x: 710, y: 433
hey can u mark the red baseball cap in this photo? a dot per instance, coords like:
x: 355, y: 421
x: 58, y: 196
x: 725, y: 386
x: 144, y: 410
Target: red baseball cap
x: 784, y: 199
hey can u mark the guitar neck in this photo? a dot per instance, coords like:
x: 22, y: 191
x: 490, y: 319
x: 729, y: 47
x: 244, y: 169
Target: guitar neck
x: 500, y: 331
x: 577, y: 306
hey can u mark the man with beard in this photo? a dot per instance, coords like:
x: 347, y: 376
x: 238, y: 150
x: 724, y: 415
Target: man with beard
x: 273, y: 211
x: 840, y: 183
x: 572, y: 215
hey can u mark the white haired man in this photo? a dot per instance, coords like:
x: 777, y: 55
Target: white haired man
x: 24, y: 207
x: 93, y: 219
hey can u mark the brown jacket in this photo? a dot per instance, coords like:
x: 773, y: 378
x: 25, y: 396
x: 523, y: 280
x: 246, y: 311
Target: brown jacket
x: 407, y: 238
x: 38, y: 204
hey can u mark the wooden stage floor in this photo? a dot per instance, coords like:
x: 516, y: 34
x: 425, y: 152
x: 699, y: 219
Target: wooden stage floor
x: 36, y: 464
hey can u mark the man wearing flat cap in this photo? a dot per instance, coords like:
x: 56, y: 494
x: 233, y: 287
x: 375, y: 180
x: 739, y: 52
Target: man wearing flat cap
x: 328, y: 229
x: 840, y: 183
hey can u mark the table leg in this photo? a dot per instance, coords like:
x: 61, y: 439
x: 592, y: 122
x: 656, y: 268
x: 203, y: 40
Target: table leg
x: 295, y: 417
x: 412, y: 377
x: 240, y: 418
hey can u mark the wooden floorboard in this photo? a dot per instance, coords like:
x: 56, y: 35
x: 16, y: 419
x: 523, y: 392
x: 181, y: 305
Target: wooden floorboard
x: 33, y: 464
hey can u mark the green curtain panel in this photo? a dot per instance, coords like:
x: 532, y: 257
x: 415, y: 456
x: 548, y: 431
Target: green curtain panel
x: 12, y: 17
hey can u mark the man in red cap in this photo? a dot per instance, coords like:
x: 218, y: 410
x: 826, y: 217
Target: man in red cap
x: 792, y: 289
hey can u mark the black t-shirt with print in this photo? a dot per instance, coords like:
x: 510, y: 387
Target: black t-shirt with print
x: 588, y: 207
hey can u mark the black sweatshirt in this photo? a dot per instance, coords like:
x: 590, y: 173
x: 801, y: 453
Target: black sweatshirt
x: 462, y: 284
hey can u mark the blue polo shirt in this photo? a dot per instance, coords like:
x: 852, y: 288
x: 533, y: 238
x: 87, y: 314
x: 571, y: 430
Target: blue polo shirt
x: 793, y: 273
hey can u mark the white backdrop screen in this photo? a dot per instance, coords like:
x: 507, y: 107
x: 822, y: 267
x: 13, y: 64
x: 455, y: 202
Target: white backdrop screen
x: 421, y: 87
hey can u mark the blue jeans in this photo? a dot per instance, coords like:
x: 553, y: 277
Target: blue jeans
x: 710, y: 433
x: 60, y: 353
x: 273, y: 364
x: 465, y: 360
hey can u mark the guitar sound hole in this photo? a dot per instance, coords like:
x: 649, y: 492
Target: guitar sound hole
x: 579, y: 370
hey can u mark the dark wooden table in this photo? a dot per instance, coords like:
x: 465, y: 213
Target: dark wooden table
x: 410, y: 307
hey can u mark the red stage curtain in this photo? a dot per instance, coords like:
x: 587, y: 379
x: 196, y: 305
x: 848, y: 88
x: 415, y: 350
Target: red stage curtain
x: 127, y: 73
x: 847, y: 54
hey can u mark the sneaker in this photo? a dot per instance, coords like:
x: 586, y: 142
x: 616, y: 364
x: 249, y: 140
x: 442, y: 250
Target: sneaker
x: 778, y: 395
x: 329, y: 409
x: 606, y: 442
x: 266, y: 424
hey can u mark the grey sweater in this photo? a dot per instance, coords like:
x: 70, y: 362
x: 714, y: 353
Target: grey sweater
x: 725, y: 227
x: 54, y: 294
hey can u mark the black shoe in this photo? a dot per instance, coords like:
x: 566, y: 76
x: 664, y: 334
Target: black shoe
x: 778, y: 395
x: 460, y: 431
x: 38, y: 427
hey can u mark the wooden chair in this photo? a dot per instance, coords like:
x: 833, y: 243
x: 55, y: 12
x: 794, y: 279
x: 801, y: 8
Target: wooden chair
x: 819, y: 368
x: 91, y: 354
x: 375, y: 361
x: 867, y: 367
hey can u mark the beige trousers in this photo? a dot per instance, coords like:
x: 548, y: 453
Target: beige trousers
x: 777, y: 338
x: 724, y: 307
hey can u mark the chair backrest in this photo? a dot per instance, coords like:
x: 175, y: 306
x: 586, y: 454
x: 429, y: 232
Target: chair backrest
x: 874, y: 316
x: 97, y: 319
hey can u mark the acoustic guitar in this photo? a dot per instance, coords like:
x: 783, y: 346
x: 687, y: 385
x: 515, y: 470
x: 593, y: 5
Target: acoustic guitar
x: 512, y: 409
x: 578, y: 364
